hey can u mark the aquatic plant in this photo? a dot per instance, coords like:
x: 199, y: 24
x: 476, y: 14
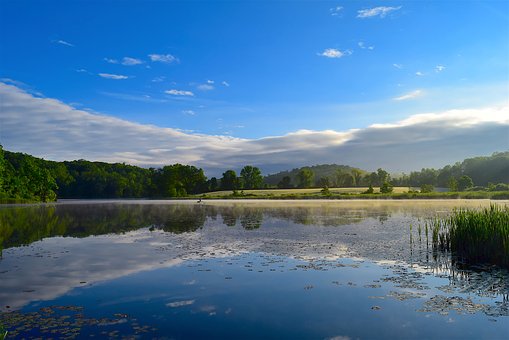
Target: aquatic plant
x: 3, y: 332
x: 474, y: 236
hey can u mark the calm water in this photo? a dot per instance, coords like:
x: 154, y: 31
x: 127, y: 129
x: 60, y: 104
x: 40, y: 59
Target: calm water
x: 263, y: 269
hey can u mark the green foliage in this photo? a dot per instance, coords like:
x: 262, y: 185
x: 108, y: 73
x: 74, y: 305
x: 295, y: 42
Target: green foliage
x: 498, y: 187
x: 325, y: 191
x: 213, y: 184
x: 323, y: 170
x: 452, y: 184
x: 426, y: 188
x: 475, y: 236
x: 285, y: 183
x: 370, y: 190
x: 252, y: 177
x: 229, y: 180
x: 180, y: 180
x: 305, y: 177
x: 481, y: 170
x: 386, y: 188
x: 26, y: 177
x: 464, y: 183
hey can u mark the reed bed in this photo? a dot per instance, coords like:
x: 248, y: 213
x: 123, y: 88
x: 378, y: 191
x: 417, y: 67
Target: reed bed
x: 474, y: 236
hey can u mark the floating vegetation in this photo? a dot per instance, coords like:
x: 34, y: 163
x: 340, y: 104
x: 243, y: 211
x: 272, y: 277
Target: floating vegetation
x: 474, y: 236
x: 68, y: 322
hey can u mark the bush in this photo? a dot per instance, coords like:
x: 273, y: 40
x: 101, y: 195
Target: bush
x: 386, y: 188
x: 425, y: 188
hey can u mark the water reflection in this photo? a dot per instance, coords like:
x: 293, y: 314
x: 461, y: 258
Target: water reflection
x: 137, y: 237
x: 23, y: 225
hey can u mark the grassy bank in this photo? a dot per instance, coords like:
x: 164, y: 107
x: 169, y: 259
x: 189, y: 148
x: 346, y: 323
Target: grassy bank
x: 350, y: 193
x: 474, y: 236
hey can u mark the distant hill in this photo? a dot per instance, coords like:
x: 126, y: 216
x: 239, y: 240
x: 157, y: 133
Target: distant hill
x: 321, y: 170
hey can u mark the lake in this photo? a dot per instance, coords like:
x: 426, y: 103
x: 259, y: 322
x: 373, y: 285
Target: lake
x: 241, y: 269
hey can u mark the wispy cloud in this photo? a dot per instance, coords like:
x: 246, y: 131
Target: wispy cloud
x: 334, y: 53
x: 111, y: 61
x: 398, y: 66
x: 128, y: 61
x: 225, y: 83
x: 112, y: 76
x: 419, y: 74
x: 180, y: 303
x: 205, y: 87
x: 63, y: 42
x: 410, y: 95
x: 210, y: 81
x: 179, y: 92
x: 381, y: 12
x: 424, y: 140
x: 439, y: 68
x: 335, y: 11
x: 189, y: 112
x: 363, y: 46
x: 158, y: 79
x: 163, y: 58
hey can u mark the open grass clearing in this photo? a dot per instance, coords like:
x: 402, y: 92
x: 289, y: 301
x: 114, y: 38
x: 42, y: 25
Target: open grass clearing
x: 284, y: 192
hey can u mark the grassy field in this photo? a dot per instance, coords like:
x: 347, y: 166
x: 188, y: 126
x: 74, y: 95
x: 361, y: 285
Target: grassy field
x: 350, y: 193
x: 311, y: 191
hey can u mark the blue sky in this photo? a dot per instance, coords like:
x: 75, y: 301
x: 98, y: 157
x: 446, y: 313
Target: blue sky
x: 252, y: 69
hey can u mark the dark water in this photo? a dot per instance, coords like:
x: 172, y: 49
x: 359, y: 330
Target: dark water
x: 316, y: 270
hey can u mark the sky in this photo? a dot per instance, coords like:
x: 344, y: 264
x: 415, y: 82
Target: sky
x: 277, y: 84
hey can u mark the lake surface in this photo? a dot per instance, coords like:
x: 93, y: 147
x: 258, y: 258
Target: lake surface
x: 241, y: 269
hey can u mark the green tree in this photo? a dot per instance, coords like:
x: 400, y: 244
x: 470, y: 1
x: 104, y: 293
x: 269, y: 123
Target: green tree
x: 426, y: 188
x: 213, y: 185
x: 357, y: 175
x: 324, y: 182
x: 285, y: 183
x: 229, y: 180
x: 305, y: 177
x: 452, y: 184
x: 383, y: 176
x: 386, y: 188
x: 252, y: 177
x: 464, y: 183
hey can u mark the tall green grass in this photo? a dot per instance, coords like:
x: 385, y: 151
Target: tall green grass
x: 474, y: 236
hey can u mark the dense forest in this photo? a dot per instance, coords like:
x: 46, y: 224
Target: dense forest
x: 27, y: 178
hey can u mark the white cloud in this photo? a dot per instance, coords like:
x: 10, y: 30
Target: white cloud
x: 210, y: 82
x: 225, y: 83
x: 112, y: 76
x: 334, y: 53
x: 63, y: 42
x: 189, y: 112
x: 179, y: 93
x: 180, y: 303
x: 439, y: 68
x: 362, y: 45
x: 205, y: 87
x: 163, y: 58
x: 128, y: 61
x: 54, y: 130
x: 158, y: 79
x: 111, y: 61
x: 381, y: 12
x: 398, y: 66
x: 335, y: 11
x: 419, y: 73
x: 410, y: 95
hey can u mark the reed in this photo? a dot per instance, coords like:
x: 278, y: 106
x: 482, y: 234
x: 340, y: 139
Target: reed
x: 474, y: 236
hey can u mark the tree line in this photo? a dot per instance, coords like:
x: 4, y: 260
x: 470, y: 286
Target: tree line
x: 26, y: 177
